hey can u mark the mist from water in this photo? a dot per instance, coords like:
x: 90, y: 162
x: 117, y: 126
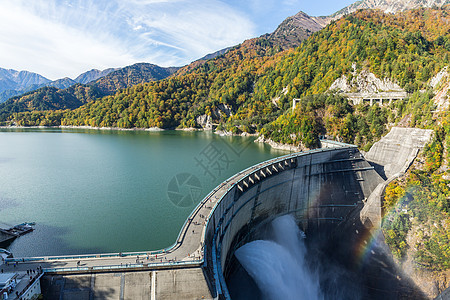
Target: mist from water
x: 279, y: 266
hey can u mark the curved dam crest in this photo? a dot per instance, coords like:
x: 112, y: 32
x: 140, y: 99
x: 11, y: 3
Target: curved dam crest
x: 326, y: 190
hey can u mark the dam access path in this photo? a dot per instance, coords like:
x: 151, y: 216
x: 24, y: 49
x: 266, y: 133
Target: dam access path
x: 320, y: 187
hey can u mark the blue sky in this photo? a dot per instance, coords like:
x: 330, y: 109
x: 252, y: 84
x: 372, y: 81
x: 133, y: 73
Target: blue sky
x: 59, y: 38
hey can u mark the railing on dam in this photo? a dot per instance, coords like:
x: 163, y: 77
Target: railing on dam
x: 250, y: 179
x: 124, y: 267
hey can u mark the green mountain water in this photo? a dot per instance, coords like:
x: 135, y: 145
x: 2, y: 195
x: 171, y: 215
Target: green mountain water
x: 95, y: 191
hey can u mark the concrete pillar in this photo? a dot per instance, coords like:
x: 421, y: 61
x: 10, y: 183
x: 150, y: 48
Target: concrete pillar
x: 371, y: 101
x: 294, y: 103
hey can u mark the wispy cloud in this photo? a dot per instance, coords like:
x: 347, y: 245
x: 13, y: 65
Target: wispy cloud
x: 59, y: 38
x: 193, y: 28
x: 64, y: 38
x: 33, y: 43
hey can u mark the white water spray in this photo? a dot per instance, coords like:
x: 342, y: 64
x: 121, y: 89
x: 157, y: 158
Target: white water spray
x: 278, y: 267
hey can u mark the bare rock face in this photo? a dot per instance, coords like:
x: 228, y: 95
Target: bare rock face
x: 441, y: 84
x: 393, y: 6
x: 300, y: 147
x: 302, y: 20
x: 223, y: 110
x: 387, y: 6
x: 436, y: 80
x: 207, y: 121
x: 365, y: 82
x: 204, y: 121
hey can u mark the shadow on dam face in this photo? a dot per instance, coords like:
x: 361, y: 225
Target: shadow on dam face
x: 348, y: 260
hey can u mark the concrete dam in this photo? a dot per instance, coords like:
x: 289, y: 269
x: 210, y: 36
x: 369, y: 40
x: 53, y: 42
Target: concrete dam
x: 322, y: 189
x: 327, y: 190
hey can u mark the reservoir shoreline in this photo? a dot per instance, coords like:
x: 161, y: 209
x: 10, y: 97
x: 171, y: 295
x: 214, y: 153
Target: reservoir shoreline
x: 260, y: 139
x: 79, y: 185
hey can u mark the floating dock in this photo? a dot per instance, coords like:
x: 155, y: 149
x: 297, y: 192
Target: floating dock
x: 8, y: 235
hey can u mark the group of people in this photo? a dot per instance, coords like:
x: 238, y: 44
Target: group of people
x: 33, y: 271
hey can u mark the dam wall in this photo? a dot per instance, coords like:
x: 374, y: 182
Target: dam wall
x: 392, y: 156
x: 327, y: 190
x: 321, y: 188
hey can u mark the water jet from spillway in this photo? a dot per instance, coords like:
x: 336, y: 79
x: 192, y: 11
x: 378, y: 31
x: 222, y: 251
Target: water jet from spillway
x: 279, y: 267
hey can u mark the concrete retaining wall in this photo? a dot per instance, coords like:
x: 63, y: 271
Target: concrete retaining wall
x: 392, y: 156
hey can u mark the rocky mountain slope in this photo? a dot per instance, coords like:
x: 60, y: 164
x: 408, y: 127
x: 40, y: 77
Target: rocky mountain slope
x: 391, y: 6
x: 53, y: 98
x: 15, y: 80
x: 289, y: 34
x: 364, y: 82
x: 27, y: 81
x: 295, y: 29
x: 387, y: 6
x: 441, y: 85
x: 93, y: 74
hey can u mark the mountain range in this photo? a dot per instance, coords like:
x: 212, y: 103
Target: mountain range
x: 95, y: 84
x: 53, y: 98
x: 14, y: 80
x: 388, y: 6
x: 312, y: 24
x: 13, y: 83
x: 289, y: 34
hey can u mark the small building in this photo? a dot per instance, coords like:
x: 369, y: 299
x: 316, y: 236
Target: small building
x: 20, y: 285
x: 8, y: 282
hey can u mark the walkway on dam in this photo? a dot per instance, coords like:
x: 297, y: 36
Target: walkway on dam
x: 186, y: 252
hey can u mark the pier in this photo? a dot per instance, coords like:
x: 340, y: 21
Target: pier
x: 8, y: 235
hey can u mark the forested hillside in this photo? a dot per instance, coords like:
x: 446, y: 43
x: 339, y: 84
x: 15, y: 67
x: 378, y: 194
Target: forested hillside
x: 49, y: 98
x: 46, y: 98
x: 258, y: 81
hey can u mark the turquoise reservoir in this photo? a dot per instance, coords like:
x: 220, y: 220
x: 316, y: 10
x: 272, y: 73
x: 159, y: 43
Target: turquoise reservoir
x: 92, y: 191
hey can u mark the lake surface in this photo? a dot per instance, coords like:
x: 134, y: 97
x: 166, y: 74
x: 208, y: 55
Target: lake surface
x: 92, y: 191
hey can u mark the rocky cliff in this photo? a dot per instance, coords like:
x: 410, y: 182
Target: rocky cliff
x: 364, y: 82
x: 441, y: 85
x: 292, y: 31
x: 388, y: 6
